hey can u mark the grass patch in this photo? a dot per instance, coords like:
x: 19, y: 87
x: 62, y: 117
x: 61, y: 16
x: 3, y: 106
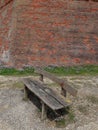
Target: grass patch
x: 61, y: 71
x: 68, y: 119
x: 75, y: 70
x: 92, y: 99
x: 60, y: 123
x: 13, y: 71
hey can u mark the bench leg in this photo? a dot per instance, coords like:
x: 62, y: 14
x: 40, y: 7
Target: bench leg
x: 63, y: 92
x: 25, y: 93
x: 41, y: 78
x: 44, y: 112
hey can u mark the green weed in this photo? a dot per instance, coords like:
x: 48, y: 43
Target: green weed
x: 74, y: 70
x: 68, y: 119
x: 13, y: 71
x: 61, y: 71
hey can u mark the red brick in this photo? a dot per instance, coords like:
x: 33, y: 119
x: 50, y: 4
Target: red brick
x: 45, y: 32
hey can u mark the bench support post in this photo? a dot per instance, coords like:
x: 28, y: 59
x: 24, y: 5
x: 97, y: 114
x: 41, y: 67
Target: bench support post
x: 63, y: 91
x: 25, y: 93
x: 41, y: 78
x: 44, y: 111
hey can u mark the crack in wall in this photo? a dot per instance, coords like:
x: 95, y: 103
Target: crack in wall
x: 7, y: 3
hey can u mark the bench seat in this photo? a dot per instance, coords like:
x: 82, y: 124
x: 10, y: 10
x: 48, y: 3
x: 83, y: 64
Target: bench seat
x: 49, y: 97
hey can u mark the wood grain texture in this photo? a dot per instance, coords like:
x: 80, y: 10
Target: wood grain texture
x: 41, y: 94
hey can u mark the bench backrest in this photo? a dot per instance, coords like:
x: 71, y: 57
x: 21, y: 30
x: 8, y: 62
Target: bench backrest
x: 62, y: 82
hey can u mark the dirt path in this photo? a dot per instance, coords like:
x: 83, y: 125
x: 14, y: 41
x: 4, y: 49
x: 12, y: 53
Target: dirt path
x: 17, y: 114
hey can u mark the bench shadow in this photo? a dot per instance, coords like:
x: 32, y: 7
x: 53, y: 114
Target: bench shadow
x: 51, y: 115
x: 34, y: 99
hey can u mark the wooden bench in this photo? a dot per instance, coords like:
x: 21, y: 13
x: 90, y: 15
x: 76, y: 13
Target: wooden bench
x: 62, y: 82
x: 47, y: 96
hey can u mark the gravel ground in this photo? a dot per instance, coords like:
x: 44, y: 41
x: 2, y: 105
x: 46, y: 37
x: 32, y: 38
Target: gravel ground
x: 17, y: 114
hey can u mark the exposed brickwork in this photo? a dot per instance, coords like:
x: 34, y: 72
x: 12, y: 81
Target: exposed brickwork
x: 5, y: 31
x: 59, y: 32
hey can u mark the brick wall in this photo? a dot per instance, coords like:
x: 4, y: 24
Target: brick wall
x: 57, y: 32
x: 5, y: 31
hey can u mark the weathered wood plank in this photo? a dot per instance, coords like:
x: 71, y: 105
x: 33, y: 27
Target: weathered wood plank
x: 45, y: 97
x: 44, y: 111
x: 63, y: 83
x: 52, y: 93
x: 25, y: 93
x: 48, y: 75
x: 70, y: 89
x: 41, y: 78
